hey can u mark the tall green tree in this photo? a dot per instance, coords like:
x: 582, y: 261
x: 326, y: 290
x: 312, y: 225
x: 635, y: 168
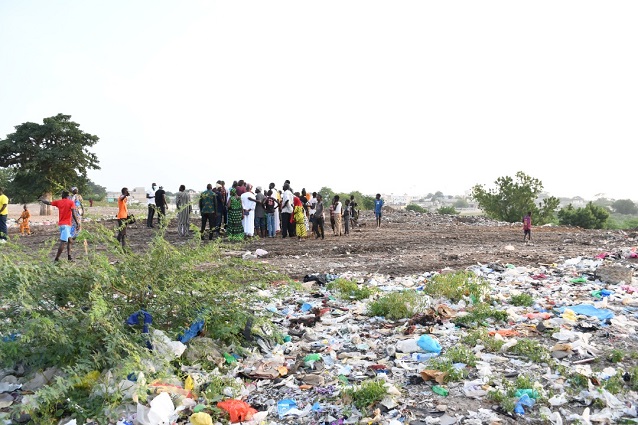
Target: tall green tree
x: 625, y: 206
x: 513, y: 198
x: 45, y: 158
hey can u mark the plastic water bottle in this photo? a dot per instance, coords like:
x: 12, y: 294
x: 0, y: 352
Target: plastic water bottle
x: 423, y: 357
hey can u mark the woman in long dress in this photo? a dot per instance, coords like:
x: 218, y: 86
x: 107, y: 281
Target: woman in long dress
x: 234, y: 229
x: 183, y: 201
x: 299, y: 214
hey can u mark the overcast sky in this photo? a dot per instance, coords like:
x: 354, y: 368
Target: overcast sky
x: 375, y: 96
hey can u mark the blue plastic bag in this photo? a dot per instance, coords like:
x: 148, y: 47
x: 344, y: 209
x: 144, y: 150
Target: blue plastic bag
x: 429, y: 344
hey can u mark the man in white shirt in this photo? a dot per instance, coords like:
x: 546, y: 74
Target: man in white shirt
x: 338, y: 215
x: 287, y: 228
x: 150, y: 201
x: 312, y: 205
x: 248, y: 203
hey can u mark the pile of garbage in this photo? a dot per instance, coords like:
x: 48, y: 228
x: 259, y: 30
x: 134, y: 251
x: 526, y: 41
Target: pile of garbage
x: 555, y: 342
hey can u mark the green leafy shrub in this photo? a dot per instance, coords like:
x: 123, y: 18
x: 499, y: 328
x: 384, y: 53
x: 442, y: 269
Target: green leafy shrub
x: 397, y: 305
x: 454, y: 286
x: 589, y: 217
x: 415, y: 208
x: 522, y: 300
x: 479, y: 313
x: 365, y: 395
x: 73, y: 315
x: 450, y: 210
x: 348, y: 289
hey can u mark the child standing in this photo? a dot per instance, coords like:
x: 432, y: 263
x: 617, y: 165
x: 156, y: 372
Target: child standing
x: 378, y: 207
x: 24, y: 221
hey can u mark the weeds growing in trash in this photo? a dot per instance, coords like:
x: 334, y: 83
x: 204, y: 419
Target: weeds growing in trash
x: 482, y: 337
x: 522, y: 300
x: 479, y: 313
x: 616, y: 356
x: 461, y: 354
x: 348, y: 289
x: 531, y: 349
x: 398, y: 305
x: 74, y: 317
x: 455, y: 286
x: 366, y: 394
x: 446, y: 365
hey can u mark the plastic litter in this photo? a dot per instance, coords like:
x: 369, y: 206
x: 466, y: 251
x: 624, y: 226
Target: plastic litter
x: 429, y: 344
x: 238, y: 410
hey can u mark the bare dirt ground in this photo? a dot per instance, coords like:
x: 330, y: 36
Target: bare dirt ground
x: 406, y: 243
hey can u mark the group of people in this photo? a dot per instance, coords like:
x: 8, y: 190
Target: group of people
x: 241, y: 212
x: 244, y: 211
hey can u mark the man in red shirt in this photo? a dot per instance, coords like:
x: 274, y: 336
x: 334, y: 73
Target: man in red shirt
x: 66, y: 210
x: 527, y: 227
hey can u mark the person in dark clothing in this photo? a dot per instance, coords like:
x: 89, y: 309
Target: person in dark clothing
x: 160, y: 203
x: 208, y: 210
x: 318, y: 221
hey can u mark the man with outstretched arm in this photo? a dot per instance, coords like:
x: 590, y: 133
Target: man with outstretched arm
x: 66, y: 217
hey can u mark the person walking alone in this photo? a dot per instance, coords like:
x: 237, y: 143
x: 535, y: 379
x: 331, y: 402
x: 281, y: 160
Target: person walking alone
x: 527, y: 227
x: 378, y: 207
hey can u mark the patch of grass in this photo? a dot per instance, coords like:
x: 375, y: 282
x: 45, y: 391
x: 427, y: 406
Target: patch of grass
x: 616, y: 356
x: 455, y: 286
x: 461, y: 354
x: 615, y: 383
x: 523, y: 381
x: 348, y: 289
x: 579, y: 381
x: 633, y: 378
x: 531, y: 349
x: 522, y: 300
x: 365, y: 395
x: 445, y: 364
x: 482, y: 337
x: 479, y: 314
x: 397, y: 305
x: 503, y: 399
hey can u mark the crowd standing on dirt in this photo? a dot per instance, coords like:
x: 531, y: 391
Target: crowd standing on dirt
x: 245, y: 211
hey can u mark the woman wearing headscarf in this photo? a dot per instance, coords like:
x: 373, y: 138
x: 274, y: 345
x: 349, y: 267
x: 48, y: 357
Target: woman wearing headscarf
x: 299, y: 213
x: 182, y: 200
x: 234, y: 228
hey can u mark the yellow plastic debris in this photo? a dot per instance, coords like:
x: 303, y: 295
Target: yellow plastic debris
x: 201, y: 418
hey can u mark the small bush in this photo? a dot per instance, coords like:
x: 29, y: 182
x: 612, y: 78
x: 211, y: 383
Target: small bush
x: 365, y: 395
x: 446, y: 365
x: 447, y: 211
x: 397, y: 305
x: 415, y: 208
x: 522, y: 300
x: 479, y: 314
x: 348, y: 289
x: 532, y: 350
x: 482, y: 337
x: 454, y: 286
x: 461, y: 354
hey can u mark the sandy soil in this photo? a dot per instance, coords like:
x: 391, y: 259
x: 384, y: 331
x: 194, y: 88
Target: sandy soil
x: 407, y: 243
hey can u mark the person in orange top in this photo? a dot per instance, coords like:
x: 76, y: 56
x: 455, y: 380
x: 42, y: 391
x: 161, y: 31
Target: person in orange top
x: 122, y: 216
x: 24, y: 221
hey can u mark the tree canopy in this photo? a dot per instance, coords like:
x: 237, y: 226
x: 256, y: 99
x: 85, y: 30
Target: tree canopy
x: 513, y: 198
x: 48, y: 157
x: 589, y: 217
x: 624, y: 206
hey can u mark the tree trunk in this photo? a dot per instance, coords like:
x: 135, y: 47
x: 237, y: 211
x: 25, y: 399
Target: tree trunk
x: 44, y: 208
